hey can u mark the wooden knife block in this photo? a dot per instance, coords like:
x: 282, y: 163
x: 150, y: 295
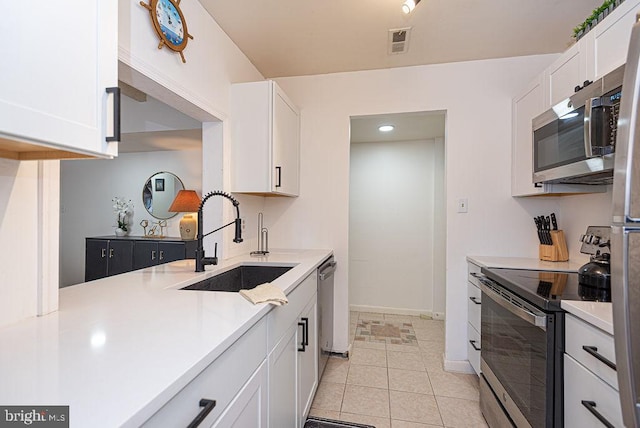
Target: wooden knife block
x: 558, y: 251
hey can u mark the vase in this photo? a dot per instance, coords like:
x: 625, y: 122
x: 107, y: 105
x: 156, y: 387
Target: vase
x: 188, y: 227
x: 120, y: 232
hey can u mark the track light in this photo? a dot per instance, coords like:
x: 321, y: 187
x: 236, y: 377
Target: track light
x: 409, y: 5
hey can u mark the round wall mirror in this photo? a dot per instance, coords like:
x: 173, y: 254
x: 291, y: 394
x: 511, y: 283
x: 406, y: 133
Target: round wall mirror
x: 159, y: 192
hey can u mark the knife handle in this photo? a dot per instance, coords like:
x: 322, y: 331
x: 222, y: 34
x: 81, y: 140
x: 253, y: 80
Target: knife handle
x: 554, y: 222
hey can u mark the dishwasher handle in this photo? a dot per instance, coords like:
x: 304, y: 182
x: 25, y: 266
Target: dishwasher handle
x: 326, y: 270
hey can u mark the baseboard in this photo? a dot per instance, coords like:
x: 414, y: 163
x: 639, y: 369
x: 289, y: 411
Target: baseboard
x: 458, y: 366
x: 398, y: 311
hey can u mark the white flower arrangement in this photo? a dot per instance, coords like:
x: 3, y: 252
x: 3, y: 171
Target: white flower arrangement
x: 123, y: 209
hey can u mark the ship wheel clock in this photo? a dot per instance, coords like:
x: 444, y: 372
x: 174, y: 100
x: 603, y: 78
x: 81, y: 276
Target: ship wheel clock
x: 169, y: 23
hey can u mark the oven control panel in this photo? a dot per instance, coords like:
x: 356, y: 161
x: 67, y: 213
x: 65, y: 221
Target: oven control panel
x: 596, y: 240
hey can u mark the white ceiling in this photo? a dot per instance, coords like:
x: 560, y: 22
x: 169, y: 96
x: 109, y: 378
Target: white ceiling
x: 150, y: 125
x: 152, y: 141
x: 303, y: 37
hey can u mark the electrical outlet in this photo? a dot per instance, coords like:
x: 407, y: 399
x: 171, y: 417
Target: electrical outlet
x: 463, y: 205
x: 244, y: 224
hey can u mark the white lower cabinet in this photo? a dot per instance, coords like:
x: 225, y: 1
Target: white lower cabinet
x: 590, y: 384
x: 474, y: 303
x: 249, y: 408
x: 221, y: 381
x: 267, y: 378
x: 293, y: 361
x: 308, y: 360
x: 587, y: 397
x: 282, y: 381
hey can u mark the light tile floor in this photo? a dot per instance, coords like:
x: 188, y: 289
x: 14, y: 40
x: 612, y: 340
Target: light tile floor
x: 394, y: 378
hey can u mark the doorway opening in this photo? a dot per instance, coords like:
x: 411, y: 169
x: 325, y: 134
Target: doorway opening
x: 397, y: 219
x: 162, y: 134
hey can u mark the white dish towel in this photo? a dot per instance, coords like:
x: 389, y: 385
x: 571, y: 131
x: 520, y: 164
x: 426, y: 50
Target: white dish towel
x: 265, y: 293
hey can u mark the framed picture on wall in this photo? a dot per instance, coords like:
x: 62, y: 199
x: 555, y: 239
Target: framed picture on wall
x: 159, y: 184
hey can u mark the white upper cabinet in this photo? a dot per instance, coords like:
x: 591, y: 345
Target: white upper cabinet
x: 609, y: 40
x: 265, y: 129
x: 524, y: 108
x: 52, y: 91
x: 601, y: 50
x: 567, y: 72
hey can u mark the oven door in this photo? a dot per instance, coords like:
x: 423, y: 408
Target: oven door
x: 518, y: 356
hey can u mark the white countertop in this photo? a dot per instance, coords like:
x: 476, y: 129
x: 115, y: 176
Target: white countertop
x: 121, y: 347
x: 527, y: 263
x: 597, y: 313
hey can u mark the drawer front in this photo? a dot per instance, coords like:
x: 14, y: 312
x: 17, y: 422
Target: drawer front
x: 473, y: 270
x: 220, y: 381
x: 581, y: 335
x: 280, y: 318
x: 582, y: 385
x: 473, y: 347
x: 474, y: 296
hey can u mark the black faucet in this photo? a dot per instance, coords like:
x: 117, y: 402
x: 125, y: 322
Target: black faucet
x: 201, y: 260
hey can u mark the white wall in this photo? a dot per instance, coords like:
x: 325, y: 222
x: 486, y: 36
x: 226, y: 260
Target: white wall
x: 391, y: 226
x: 439, y: 232
x: 19, y: 237
x: 579, y: 211
x: 87, y: 190
x: 477, y: 98
x: 199, y: 88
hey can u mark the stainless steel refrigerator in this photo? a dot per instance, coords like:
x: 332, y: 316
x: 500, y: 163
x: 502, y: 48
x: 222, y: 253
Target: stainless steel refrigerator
x: 625, y: 238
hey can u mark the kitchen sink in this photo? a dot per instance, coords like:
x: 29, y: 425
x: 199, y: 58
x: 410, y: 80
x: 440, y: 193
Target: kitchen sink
x: 240, y: 278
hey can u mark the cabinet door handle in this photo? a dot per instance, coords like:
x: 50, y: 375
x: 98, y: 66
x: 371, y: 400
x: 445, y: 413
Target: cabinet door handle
x: 591, y: 406
x: 103, y: 253
x: 305, y: 333
x: 593, y: 351
x: 116, y: 114
x: 153, y: 255
x: 278, y: 176
x: 207, y: 407
x: 304, y: 342
x: 161, y: 255
x: 473, y: 343
x: 538, y: 185
x: 110, y: 253
x: 474, y: 299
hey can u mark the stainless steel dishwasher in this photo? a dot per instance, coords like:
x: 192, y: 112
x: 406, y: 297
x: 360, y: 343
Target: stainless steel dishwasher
x: 325, y: 312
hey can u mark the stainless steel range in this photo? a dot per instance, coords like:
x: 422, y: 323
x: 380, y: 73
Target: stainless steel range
x: 523, y: 337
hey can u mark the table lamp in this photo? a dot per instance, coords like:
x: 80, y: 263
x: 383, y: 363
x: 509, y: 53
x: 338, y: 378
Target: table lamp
x: 186, y: 201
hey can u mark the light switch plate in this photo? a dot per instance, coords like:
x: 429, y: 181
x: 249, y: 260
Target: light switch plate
x: 463, y: 205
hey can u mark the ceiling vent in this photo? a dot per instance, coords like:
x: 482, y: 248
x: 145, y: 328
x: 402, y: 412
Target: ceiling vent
x: 399, y: 40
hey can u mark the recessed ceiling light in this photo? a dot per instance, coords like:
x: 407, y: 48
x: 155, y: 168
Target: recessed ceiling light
x: 409, y: 5
x: 385, y: 128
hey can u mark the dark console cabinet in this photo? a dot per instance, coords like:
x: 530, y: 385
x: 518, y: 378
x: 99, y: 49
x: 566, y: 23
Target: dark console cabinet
x: 147, y: 253
x: 111, y: 255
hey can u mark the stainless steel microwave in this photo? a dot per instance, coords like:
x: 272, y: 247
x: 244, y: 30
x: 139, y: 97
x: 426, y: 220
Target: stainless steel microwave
x: 574, y: 142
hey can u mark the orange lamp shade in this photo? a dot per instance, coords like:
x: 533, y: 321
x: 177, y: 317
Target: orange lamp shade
x: 186, y: 201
